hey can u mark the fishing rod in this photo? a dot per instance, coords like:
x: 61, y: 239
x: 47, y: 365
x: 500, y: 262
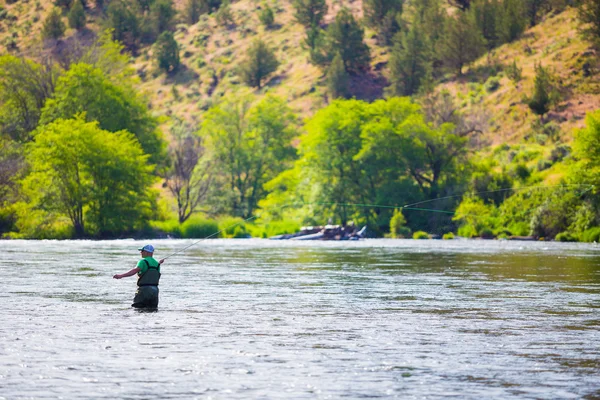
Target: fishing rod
x: 410, y: 206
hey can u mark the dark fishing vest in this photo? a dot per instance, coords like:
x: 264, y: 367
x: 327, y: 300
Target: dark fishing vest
x: 150, y: 277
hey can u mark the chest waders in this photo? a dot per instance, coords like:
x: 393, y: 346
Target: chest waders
x: 147, y: 293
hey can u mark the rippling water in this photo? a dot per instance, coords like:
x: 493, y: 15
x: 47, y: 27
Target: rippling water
x: 243, y: 319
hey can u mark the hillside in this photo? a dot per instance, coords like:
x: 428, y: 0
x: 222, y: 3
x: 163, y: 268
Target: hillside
x: 211, y: 54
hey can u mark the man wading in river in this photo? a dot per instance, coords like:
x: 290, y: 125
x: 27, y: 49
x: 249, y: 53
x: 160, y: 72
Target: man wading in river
x: 148, y: 270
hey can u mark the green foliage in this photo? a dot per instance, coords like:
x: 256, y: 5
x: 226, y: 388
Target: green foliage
x: 448, y: 236
x: 99, y: 180
x: 197, y: 227
x: 233, y: 228
x: 588, y: 12
x: 11, y: 167
x: 192, y: 11
x: 53, y: 27
x: 84, y: 88
x: 161, y: 18
x: 166, y: 52
x: 337, y: 78
x: 476, y: 218
x: 24, y: 87
x: 382, y: 15
x: 420, y: 235
x: 488, y: 16
x: 492, y: 84
x: 462, y: 42
x: 410, y: 61
x: 123, y: 18
x: 224, y: 16
x: 514, y: 20
x: 266, y: 16
x: 591, y: 235
x: 345, y: 36
x: 250, y: 144
x: 565, y: 237
x: 513, y: 72
x: 260, y: 62
x: 170, y: 227
x: 310, y: 13
x: 272, y: 228
x: 555, y: 215
x: 539, y: 103
x: 77, y: 16
x: 397, y: 225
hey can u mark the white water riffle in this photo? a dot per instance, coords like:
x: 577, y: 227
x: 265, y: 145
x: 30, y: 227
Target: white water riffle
x: 241, y: 319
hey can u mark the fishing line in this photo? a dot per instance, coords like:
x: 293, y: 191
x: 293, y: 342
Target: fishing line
x: 410, y: 206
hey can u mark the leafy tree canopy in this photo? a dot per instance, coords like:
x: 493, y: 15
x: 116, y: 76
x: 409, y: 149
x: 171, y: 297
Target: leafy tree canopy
x: 98, y: 179
x: 86, y: 89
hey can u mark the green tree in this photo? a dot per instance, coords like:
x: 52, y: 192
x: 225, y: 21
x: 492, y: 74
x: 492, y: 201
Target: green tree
x: 310, y: 13
x: 167, y: 52
x: 11, y: 166
x: 123, y: 18
x: 487, y: 15
x: 224, y: 16
x: 381, y: 16
x: 192, y: 11
x: 100, y: 180
x: 250, y: 145
x: 513, y: 20
x: 85, y: 89
x: 24, y: 87
x: 346, y: 37
x: 162, y: 17
x: 337, y: 78
x: 409, y: 61
x: 266, y: 16
x: 462, y: 43
x: 539, y: 103
x: 588, y: 12
x: 77, y: 16
x: 260, y: 62
x: 53, y: 27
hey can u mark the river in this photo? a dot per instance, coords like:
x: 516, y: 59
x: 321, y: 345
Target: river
x: 241, y: 319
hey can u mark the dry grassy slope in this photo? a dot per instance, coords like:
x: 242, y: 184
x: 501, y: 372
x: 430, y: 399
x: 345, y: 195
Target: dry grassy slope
x: 211, y: 53
x: 555, y: 44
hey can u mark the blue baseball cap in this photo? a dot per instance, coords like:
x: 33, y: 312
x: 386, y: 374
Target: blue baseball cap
x: 149, y: 248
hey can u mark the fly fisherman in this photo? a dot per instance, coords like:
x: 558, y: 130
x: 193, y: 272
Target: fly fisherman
x: 148, y: 270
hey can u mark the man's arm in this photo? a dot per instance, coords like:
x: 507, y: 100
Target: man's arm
x: 128, y: 273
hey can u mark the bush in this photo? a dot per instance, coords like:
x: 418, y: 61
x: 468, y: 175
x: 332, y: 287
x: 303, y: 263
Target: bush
x: 565, y: 237
x: 169, y: 227
x: 397, y: 225
x: 53, y: 27
x: 231, y: 227
x: 514, y: 73
x: 198, y: 227
x: 591, y: 235
x: 486, y: 233
x: 167, y: 52
x: 448, y: 236
x: 77, y: 16
x: 266, y: 16
x: 420, y: 235
x: 467, y: 231
x: 492, y: 84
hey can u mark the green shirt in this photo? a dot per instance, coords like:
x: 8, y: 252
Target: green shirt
x: 143, y: 267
